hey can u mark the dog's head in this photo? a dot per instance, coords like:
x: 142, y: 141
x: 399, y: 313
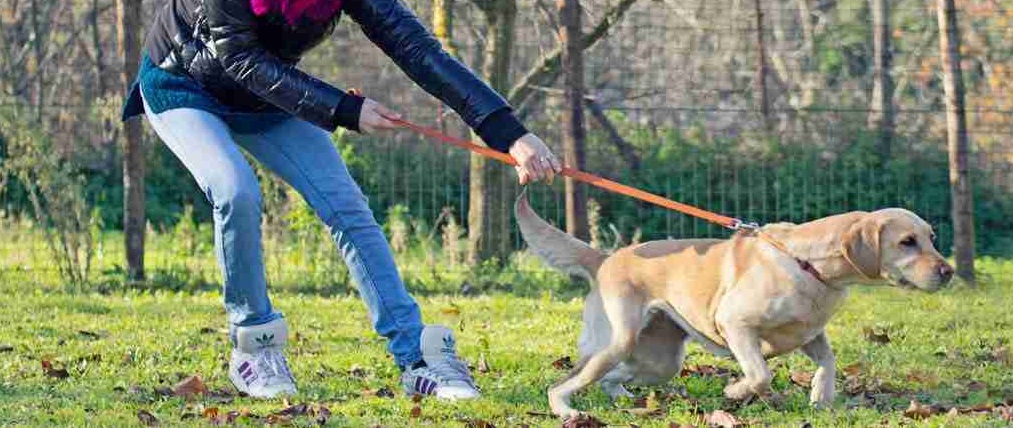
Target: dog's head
x: 896, y: 245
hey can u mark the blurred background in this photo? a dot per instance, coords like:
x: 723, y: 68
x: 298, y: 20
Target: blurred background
x: 763, y: 110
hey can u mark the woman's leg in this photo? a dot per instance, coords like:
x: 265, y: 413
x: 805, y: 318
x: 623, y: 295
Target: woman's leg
x: 203, y: 144
x: 304, y: 156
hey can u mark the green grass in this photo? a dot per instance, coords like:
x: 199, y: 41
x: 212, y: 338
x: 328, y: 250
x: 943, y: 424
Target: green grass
x: 940, y: 352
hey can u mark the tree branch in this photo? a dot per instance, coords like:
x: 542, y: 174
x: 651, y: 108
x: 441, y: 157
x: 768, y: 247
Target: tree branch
x: 546, y: 71
x: 626, y: 150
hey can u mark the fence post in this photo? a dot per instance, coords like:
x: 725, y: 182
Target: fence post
x: 956, y: 124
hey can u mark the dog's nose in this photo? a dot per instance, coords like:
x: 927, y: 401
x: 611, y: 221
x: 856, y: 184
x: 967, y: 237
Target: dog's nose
x: 945, y: 271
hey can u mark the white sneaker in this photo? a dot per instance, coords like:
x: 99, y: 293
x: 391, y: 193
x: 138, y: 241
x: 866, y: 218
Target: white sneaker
x: 258, y: 366
x: 440, y: 372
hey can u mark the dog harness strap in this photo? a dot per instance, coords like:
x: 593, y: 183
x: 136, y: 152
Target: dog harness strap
x: 804, y: 264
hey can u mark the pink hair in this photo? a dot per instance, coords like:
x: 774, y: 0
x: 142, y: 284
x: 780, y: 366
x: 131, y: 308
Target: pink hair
x: 293, y: 10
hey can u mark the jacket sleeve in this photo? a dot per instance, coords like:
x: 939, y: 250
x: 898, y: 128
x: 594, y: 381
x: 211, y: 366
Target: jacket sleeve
x: 398, y: 32
x: 245, y: 60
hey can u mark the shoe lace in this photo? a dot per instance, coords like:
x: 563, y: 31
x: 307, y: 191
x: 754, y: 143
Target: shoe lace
x: 272, y: 364
x: 449, y: 368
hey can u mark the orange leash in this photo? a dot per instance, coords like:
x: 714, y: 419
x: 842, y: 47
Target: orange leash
x: 594, y: 180
x: 622, y: 189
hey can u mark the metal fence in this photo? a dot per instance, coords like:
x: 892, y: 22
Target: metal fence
x: 678, y: 80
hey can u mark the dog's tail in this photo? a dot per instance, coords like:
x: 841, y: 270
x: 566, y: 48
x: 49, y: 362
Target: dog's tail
x: 553, y: 246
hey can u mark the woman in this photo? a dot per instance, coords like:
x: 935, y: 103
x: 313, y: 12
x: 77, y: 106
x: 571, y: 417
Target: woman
x: 218, y: 75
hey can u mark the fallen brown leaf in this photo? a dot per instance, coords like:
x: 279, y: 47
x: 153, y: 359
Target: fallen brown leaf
x: 853, y: 385
x: 451, y: 310
x: 92, y: 358
x: 563, y: 363
x: 919, y: 411
x: 383, y: 392
x: 722, y: 419
x: 294, y: 410
x: 91, y: 335
x: 483, y: 365
x: 275, y: 419
x: 221, y: 396
x: 583, y: 421
x: 1005, y: 413
x: 705, y: 370
x: 976, y: 386
x: 415, y: 413
x: 49, y: 370
x: 802, y: 378
x: 189, y: 387
x: 323, y: 414
x: 478, y: 423
x: 146, y: 418
x: 921, y: 377
x: 356, y: 371
x: 211, y: 414
x: 1001, y: 356
x: 644, y: 411
x: 417, y: 398
x: 853, y: 369
x: 984, y: 407
x: 876, y: 336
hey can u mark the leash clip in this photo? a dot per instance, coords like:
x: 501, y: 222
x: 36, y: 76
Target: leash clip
x: 738, y: 225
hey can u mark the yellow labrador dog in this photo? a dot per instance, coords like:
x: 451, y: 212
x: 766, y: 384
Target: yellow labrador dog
x: 741, y: 296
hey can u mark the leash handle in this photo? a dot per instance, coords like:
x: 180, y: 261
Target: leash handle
x: 594, y: 180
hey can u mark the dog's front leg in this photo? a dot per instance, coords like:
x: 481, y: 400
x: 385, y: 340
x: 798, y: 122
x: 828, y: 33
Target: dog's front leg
x: 818, y: 349
x: 745, y: 345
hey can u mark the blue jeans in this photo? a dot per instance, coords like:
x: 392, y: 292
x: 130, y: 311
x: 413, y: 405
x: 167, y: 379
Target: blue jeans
x: 304, y: 156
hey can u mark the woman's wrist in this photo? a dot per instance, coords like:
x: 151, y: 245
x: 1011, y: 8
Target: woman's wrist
x: 501, y: 129
x: 346, y: 114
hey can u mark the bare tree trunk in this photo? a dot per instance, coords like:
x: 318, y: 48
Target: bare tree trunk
x: 881, y: 118
x: 443, y: 29
x: 545, y: 71
x: 761, y: 69
x: 37, y: 50
x: 956, y: 124
x: 574, y: 134
x: 128, y: 34
x: 96, y: 40
x: 488, y: 204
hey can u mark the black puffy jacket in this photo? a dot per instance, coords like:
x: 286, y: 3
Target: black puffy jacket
x: 246, y: 60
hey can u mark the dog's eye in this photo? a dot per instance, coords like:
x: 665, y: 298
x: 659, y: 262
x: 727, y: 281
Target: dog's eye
x: 909, y: 241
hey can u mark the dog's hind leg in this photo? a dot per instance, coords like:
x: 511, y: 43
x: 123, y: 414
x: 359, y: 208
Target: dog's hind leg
x: 624, y: 315
x: 612, y: 382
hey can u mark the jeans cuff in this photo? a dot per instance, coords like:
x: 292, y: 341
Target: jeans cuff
x: 405, y: 362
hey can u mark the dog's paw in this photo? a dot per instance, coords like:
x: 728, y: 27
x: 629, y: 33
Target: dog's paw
x: 821, y: 398
x: 739, y: 391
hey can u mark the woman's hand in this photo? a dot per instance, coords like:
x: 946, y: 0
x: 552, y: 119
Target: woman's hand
x: 535, y: 160
x: 373, y: 117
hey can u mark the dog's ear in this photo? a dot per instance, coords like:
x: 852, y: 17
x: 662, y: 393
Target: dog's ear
x: 861, y: 246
